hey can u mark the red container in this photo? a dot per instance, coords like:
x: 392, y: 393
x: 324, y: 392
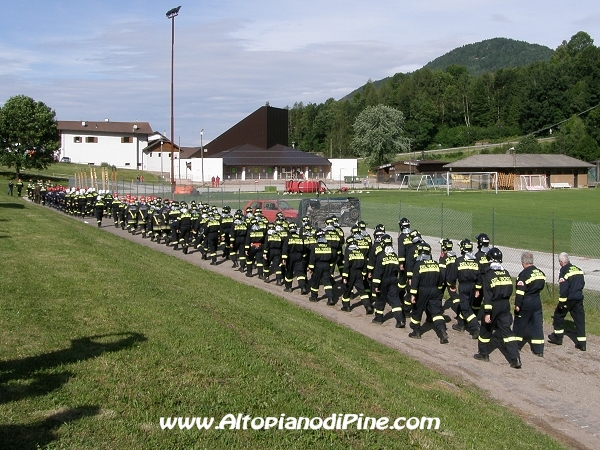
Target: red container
x: 308, y: 186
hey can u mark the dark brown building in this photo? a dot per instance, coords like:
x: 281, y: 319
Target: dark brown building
x: 264, y: 128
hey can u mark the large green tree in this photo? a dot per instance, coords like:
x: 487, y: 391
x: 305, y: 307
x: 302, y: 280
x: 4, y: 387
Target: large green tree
x: 378, y: 135
x: 28, y: 134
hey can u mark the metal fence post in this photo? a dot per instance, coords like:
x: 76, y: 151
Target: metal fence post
x: 493, y: 227
x: 553, y: 257
x: 442, y: 222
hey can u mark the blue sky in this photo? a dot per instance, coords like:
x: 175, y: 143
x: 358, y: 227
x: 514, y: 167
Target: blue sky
x: 111, y: 59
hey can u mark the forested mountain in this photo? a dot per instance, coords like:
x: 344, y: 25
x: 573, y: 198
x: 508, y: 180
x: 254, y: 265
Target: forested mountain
x: 451, y: 107
x: 491, y: 55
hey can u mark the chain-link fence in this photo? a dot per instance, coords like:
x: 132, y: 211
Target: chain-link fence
x: 547, y: 237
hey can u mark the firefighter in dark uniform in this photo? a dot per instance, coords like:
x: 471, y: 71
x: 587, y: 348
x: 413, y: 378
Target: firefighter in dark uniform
x: 132, y: 216
x: 497, y: 288
x: 571, y: 283
x: 411, y: 251
x: 185, y: 229
x: 404, y: 241
x: 293, y: 260
x: 352, y: 277
x: 212, y: 235
x: 483, y: 245
x: 334, y: 241
x: 272, y: 253
x: 340, y: 232
x: 238, y: 252
x: 19, y: 187
x: 143, y: 216
x: 123, y: 212
x: 254, y: 246
x: 81, y: 204
x: 528, y: 304
x: 319, y: 264
x: 226, y: 231
x: 465, y: 272
x: 385, y: 283
x: 426, y: 294
x: 375, y: 248
x: 446, y: 260
x: 174, y: 214
x: 99, y: 210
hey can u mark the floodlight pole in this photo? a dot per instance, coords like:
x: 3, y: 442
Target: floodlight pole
x: 171, y: 14
x: 202, y: 155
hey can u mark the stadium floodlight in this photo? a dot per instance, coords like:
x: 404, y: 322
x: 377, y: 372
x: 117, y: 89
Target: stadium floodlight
x: 171, y: 14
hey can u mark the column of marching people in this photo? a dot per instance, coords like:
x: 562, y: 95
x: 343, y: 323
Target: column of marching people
x: 406, y: 278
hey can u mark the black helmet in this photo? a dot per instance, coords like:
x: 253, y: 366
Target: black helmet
x: 380, y: 227
x: 483, y: 240
x: 415, y: 236
x: 386, y: 239
x: 424, y: 249
x: 494, y: 254
x: 361, y: 224
x: 466, y: 246
x: 446, y: 244
x: 404, y: 223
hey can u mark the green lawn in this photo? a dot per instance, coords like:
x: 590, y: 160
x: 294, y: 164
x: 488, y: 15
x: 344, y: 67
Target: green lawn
x: 102, y: 336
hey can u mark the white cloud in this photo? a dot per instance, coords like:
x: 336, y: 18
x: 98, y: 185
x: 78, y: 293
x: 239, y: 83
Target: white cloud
x: 113, y: 60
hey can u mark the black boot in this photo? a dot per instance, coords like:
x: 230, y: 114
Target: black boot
x: 515, y: 363
x: 444, y: 337
x: 553, y: 338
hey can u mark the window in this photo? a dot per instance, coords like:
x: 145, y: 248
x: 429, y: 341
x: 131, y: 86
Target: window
x: 127, y: 140
x: 77, y: 139
x: 127, y: 164
x: 91, y: 140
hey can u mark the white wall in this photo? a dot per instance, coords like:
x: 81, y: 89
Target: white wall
x: 213, y: 167
x: 109, y: 149
x: 341, y: 168
x: 161, y: 162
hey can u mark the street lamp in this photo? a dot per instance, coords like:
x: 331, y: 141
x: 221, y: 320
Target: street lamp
x: 171, y: 14
x: 202, y: 155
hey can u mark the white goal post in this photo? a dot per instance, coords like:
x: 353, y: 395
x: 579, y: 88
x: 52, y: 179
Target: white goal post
x: 532, y: 183
x: 418, y: 182
x: 471, y: 181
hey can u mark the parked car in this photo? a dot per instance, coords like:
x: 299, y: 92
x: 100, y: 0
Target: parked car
x: 347, y: 209
x: 270, y: 208
x: 65, y: 159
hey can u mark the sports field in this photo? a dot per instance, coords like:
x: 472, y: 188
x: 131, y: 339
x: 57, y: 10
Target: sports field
x: 102, y: 337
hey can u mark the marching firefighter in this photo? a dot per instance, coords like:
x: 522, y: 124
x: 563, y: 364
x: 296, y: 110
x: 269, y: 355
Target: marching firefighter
x: 238, y: 252
x: 385, y: 283
x: 185, y: 229
x: 571, y: 283
x: 254, y: 246
x: 293, y: 260
x: 528, y: 304
x: 497, y: 288
x: 446, y: 261
x: 426, y: 294
x: 465, y: 272
x: 99, y: 210
x: 272, y: 253
x: 319, y: 264
x: 353, y: 274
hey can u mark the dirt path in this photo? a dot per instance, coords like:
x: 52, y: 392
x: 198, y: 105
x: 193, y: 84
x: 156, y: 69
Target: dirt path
x: 558, y: 394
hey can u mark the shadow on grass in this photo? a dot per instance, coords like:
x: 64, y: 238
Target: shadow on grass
x: 12, y: 205
x: 29, y: 377
x: 41, y: 433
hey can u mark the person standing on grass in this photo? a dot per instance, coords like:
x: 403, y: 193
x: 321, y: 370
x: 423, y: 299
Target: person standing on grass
x: 571, y: 283
x: 10, y: 188
x: 528, y: 304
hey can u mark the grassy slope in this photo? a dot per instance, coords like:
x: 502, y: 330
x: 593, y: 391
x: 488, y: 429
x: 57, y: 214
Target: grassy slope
x: 202, y: 346
x: 60, y: 172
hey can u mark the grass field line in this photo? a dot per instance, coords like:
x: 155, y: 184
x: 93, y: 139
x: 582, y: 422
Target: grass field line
x: 525, y: 391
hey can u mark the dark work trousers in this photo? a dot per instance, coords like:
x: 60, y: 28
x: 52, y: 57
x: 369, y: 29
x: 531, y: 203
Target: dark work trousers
x: 430, y: 300
x: 501, y: 318
x: 295, y: 267
x: 321, y: 275
x: 390, y: 294
x: 466, y: 317
x: 533, y: 319
x: 575, y: 307
x: 355, y: 280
